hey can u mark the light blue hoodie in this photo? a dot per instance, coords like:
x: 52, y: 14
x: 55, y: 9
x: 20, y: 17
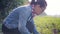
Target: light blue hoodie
x: 18, y: 18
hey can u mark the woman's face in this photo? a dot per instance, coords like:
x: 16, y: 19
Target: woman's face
x: 37, y: 9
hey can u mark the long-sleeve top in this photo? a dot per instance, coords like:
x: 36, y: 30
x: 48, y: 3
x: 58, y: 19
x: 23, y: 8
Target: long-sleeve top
x: 18, y: 18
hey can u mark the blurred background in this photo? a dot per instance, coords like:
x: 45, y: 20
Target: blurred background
x: 47, y: 23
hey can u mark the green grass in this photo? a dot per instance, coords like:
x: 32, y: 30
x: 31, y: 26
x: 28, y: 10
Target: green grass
x: 46, y: 24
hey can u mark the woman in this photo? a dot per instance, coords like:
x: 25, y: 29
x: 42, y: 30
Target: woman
x: 20, y: 20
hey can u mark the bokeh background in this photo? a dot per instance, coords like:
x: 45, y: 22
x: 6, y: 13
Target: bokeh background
x: 47, y: 23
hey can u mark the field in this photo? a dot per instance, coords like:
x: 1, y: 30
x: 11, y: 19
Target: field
x: 46, y: 25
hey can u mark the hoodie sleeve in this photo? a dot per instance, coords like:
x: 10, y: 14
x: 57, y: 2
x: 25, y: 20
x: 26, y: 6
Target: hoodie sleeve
x: 23, y: 16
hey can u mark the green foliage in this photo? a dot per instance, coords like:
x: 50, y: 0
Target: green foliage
x: 7, y: 5
x: 47, y: 25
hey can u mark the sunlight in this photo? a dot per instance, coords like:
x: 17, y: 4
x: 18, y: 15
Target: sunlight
x: 53, y: 7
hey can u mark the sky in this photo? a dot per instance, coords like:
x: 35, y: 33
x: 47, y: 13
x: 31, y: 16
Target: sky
x: 53, y: 7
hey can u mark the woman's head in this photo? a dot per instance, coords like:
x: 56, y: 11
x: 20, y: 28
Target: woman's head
x: 39, y: 6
